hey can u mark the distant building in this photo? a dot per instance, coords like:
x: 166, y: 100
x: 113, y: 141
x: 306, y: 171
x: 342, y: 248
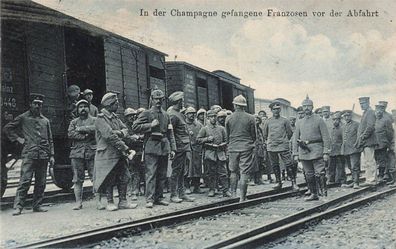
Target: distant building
x: 286, y: 109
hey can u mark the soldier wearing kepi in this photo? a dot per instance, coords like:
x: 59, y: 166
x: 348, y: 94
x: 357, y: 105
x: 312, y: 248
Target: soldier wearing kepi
x: 350, y: 152
x: 81, y: 132
x: 384, y: 133
x: 88, y: 95
x: 38, y: 149
x: 367, y: 140
x: 135, y: 142
x: 159, y: 143
x: 311, y: 145
x: 195, y: 165
x: 278, y: 132
x: 183, y: 146
x: 241, y: 137
x: 213, y: 138
x: 111, y: 154
x: 336, y: 170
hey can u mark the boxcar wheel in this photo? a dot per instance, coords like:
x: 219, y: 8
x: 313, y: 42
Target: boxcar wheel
x: 62, y: 176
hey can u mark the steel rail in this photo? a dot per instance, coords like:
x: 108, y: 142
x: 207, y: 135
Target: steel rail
x: 281, y: 228
x: 119, y: 230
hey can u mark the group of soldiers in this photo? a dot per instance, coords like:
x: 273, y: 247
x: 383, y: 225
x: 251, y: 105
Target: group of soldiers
x: 183, y: 148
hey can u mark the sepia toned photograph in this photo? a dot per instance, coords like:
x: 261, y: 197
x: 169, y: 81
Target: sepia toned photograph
x: 198, y: 124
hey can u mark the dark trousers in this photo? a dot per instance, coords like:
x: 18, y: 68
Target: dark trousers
x: 353, y: 163
x: 119, y: 176
x: 178, y: 172
x: 156, y: 168
x: 274, y: 159
x: 136, y: 170
x: 382, y: 160
x: 217, y: 170
x: 38, y: 167
x: 314, y: 167
x: 336, y: 171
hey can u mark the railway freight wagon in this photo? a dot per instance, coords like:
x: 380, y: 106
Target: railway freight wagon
x: 203, y: 89
x: 45, y: 51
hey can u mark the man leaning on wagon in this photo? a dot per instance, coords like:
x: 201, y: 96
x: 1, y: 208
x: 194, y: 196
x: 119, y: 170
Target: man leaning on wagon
x: 38, y: 149
x: 111, y: 154
x: 159, y: 143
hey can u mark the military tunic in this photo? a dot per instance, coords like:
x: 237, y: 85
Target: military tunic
x: 336, y: 171
x: 348, y: 149
x: 37, y: 149
x: 93, y: 110
x: 195, y: 169
x: 385, y: 138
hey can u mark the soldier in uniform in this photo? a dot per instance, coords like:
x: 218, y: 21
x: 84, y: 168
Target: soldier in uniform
x: 391, y: 167
x: 81, y: 132
x: 135, y: 142
x: 277, y: 134
x: 159, y: 143
x: 259, y: 151
x: 311, y: 145
x: 183, y: 146
x: 348, y: 150
x: 267, y: 165
x: 385, y: 138
x: 213, y: 138
x: 195, y: 164
x: 336, y: 170
x: 88, y: 95
x: 221, y: 117
x: 367, y: 140
x: 73, y: 93
x: 216, y: 108
x: 111, y: 154
x: 201, y: 113
x: 241, y: 137
x: 38, y: 149
x: 300, y: 113
x: 327, y: 118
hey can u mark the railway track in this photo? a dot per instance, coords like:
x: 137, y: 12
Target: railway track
x: 187, y: 217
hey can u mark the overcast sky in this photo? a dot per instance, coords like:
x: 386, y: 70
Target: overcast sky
x: 334, y: 60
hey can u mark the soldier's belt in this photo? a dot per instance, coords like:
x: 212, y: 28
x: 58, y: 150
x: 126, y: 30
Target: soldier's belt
x: 156, y: 135
x: 313, y: 141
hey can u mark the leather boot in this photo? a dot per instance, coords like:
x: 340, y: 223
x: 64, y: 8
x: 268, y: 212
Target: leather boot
x: 381, y: 173
x: 323, y: 184
x: 233, y: 184
x: 392, y: 178
x: 78, y: 194
x: 278, y: 179
x: 123, y: 203
x: 243, y: 187
x: 110, y: 200
x: 319, y: 189
x: 258, y: 178
x: 290, y: 175
x: 312, y: 185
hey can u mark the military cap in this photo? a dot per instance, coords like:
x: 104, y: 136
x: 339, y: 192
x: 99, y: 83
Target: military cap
x: 300, y: 109
x: 211, y: 113
x: 274, y: 105
x: 201, y: 111
x: 87, y: 91
x: 129, y: 111
x: 213, y: 107
x: 337, y: 115
x: 307, y: 101
x: 380, y: 105
x: 221, y: 114
x: 82, y: 101
x: 109, y: 99
x: 73, y: 91
x: 239, y: 100
x: 349, y: 112
x: 157, y: 94
x: 190, y: 109
x: 326, y: 108
x: 318, y: 110
x: 384, y: 103
x: 262, y: 111
x: 364, y: 99
x: 140, y: 110
x: 229, y: 112
x: 36, y: 97
x: 176, y: 96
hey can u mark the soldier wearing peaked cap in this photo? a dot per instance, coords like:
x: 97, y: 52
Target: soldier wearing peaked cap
x: 159, y: 143
x: 81, y: 133
x: 183, y: 147
x: 32, y: 130
x: 241, y: 136
x: 277, y: 133
x: 88, y: 95
x: 348, y: 150
x: 111, y: 154
x: 367, y: 139
x: 385, y: 137
x: 311, y: 145
x: 194, y: 157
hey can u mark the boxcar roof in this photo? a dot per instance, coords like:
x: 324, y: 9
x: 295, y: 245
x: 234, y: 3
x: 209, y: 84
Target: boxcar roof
x: 26, y: 10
